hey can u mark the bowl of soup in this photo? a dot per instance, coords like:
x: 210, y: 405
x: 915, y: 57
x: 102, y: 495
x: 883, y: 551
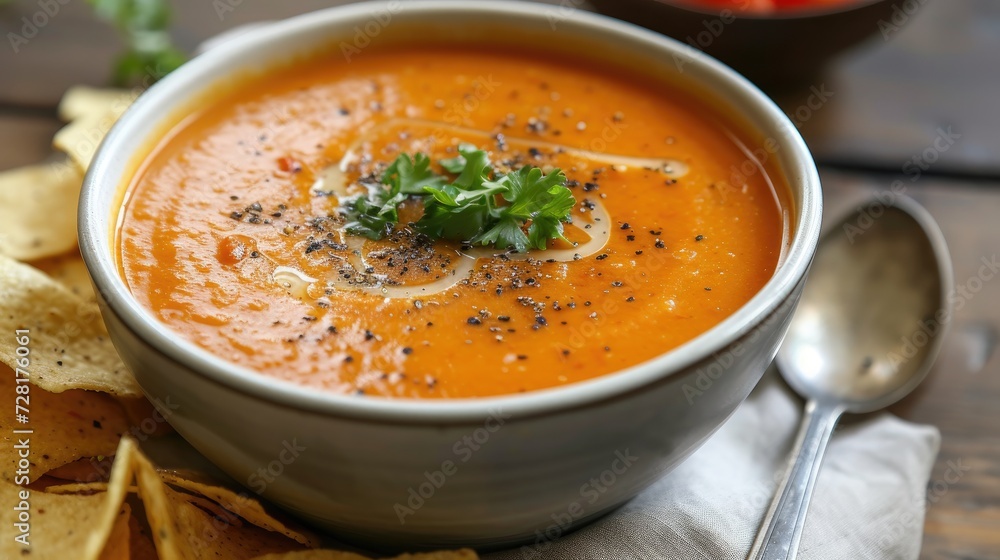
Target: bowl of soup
x: 428, y: 274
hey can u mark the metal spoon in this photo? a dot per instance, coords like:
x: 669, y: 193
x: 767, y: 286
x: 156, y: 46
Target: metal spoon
x: 866, y: 331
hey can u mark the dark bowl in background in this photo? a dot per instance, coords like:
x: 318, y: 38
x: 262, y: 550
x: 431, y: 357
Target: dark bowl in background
x: 780, y: 50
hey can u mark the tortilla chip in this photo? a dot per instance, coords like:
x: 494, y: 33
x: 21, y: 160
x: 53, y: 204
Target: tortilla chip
x: 241, y: 504
x: 184, y: 527
x: 110, y: 536
x: 38, y: 211
x: 70, y: 348
x: 66, y: 426
x: 117, y: 545
x: 70, y: 271
x: 59, y: 524
x: 463, y: 554
x: 81, y: 138
x: 119, y: 484
x: 78, y: 488
x: 81, y: 101
x: 92, y: 113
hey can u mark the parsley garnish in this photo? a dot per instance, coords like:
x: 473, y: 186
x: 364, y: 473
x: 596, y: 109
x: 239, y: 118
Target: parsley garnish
x: 374, y: 215
x: 468, y: 208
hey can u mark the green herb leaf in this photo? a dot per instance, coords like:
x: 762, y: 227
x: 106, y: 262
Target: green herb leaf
x: 542, y: 200
x: 374, y: 215
x: 410, y: 176
x: 505, y: 233
x: 457, y: 164
x: 476, y: 170
x: 532, y: 193
x: 370, y: 216
x: 457, y: 223
x: 466, y: 209
x: 143, y: 68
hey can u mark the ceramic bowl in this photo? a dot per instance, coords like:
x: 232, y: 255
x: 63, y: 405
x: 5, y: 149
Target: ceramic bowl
x: 489, y: 472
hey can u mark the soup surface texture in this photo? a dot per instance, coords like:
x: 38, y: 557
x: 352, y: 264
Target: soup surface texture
x: 231, y: 232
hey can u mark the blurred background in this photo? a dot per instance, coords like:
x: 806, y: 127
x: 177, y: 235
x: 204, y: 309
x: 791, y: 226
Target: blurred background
x: 920, y: 64
x: 882, y: 90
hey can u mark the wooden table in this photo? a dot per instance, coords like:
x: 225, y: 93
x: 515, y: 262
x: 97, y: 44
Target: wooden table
x: 942, y: 70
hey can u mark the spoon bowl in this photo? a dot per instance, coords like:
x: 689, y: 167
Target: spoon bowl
x: 869, y: 323
x: 867, y: 329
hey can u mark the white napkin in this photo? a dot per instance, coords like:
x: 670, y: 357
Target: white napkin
x: 869, y: 500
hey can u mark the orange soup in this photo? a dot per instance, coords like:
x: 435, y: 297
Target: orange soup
x: 234, y: 231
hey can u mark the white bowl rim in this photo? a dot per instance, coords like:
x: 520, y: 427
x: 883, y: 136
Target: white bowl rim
x: 95, y: 245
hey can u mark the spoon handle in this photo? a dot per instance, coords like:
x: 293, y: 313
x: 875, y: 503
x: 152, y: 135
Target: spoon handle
x: 781, y: 528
